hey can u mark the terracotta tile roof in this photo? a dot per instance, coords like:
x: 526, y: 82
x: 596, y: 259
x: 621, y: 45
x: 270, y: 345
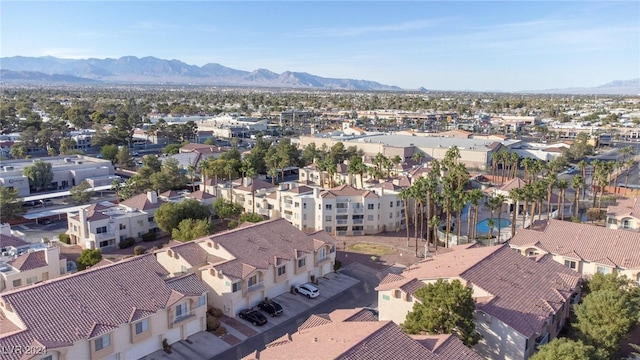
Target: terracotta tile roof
x: 192, y: 253
x: 627, y: 207
x: 618, y: 248
x: 29, y: 261
x: 72, y: 308
x: 357, y: 314
x: 342, y: 169
x: 141, y: 202
x: 256, y: 184
x: 346, y: 190
x: 347, y: 340
x: 186, y: 284
x: 515, y: 183
x: 170, y: 194
x: 387, y: 186
x: 447, y: 346
x: 199, y: 195
x: 94, y: 212
x: 301, y: 190
x: 263, y: 244
x: 10, y: 240
x: 504, y: 274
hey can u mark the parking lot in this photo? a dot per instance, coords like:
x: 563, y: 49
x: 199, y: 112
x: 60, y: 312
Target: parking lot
x: 206, y: 345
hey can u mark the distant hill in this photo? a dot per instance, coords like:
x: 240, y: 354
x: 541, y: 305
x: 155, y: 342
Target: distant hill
x: 151, y: 70
x: 617, y: 87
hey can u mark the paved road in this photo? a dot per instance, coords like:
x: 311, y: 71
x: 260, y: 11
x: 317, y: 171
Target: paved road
x: 361, y: 295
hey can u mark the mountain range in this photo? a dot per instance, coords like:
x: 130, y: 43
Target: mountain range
x: 151, y: 70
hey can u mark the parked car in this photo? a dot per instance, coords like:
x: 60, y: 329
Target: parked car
x: 270, y: 307
x: 46, y: 202
x: 253, y: 316
x: 308, y: 290
x: 30, y: 203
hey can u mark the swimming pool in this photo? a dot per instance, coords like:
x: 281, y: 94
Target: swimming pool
x: 483, y: 226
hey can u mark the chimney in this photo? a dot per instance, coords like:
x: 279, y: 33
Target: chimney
x: 316, y: 193
x: 5, y: 229
x: 152, y: 196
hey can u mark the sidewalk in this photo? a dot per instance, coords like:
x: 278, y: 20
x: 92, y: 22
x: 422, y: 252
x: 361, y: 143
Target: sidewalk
x: 205, y: 345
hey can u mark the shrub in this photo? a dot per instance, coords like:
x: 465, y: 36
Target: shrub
x: 214, y: 311
x: 139, y: 250
x: 128, y: 242
x: 221, y: 331
x: 337, y: 265
x: 150, y: 236
x: 232, y: 224
x: 65, y: 238
x: 213, y: 323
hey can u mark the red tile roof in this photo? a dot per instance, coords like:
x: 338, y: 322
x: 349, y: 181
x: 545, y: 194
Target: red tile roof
x: 29, y: 261
x: 346, y: 190
x: 62, y: 311
x: 301, y: 190
x: 447, y: 346
x: 627, y: 207
x: 199, y: 195
x: 508, y: 276
x: 10, y: 240
x: 141, y: 202
x: 256, y: 184
x: 618, y: 248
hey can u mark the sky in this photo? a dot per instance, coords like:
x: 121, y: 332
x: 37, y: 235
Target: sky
x: 453, y: 45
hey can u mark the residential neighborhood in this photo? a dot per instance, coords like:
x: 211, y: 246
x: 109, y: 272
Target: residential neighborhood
x: 322, y: 233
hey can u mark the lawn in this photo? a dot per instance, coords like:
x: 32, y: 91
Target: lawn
x: 371, y: 249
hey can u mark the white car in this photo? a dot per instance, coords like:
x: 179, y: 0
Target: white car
x: 308, y: 290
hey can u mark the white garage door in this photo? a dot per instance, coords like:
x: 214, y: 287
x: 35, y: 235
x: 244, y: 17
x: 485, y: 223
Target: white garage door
x: 193, y: 327
x: 173, y: 335
x: 278, y: 289
x: 144, y: 348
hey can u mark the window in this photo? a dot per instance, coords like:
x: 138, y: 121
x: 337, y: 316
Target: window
x: 181, y: 310
x: 304, y: 216
x: 252, y: 280
x: 202, y: 300
x: 17, y: 282
x: 604, y: 270
x: 369, y: 217
x: 398, y: 203
x: 104, y: 243
x: 322, y: 253
x: 142, y: 326
x: 612, y: 221
x: 150, y: 218
x: 48, y: 357
x: 304, y: 205
x: 101, y: 230
x: 302, y: 262
x: 370, y: 206
x: 571, y: 264
x: 327, y: 218
x: 31, y: 280
x: 103, y: 342
x: 297, y: 205
x: 328, y: 229
x: 123, y: 226
x: 390, y: 215
x: 391, y: 204
x: 282, y: 270
x: 327, y: 207
x: 236, y: 287
x: 626, y: 224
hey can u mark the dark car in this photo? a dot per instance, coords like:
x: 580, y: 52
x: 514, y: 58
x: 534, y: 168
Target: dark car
x: 270, y: 307
x: 253, y: 316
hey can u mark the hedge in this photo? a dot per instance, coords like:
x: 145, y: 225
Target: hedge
x: 128, y: 242
x: 150, y: 236
x: 65, y: 238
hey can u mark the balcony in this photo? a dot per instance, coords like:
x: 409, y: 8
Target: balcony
x: 541, y: 340
x: 287, y: 205
x: 358, y: 221
x: 358, y: 210
x: 104, y: 236
x: 343, y: 210
x: 188, y: 315
x: 341, y: 222
x: 255, y: 287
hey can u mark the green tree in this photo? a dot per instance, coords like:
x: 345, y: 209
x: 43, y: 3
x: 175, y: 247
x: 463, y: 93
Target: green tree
x: 124, y: 159
x: 67, y: 146
x: 40, y: 174
x: 224, y: 209
x: 604, y: 318
x: 170, y: 214
x: 80, y: 193
x: 443, y: 308
x: 109, y: 152
x: 189, y: 229
x: 88, y: 258
x: 250, y: 217
x: 566, y: 349
x: 18, y: 151
x: 151, y: 161
x: 10, y: 206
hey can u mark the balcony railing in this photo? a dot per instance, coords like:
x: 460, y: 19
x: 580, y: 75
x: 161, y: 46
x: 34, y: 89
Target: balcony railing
x: 341, y: 222
x: 105, y: 236
x: 342, y: 210
x: 287, y: 205
x: 183, y: 317
x: 541, y: 340
x: 357, y: 233
x: 358, y: 210
x: 358, y: 221
x: 256, y: 286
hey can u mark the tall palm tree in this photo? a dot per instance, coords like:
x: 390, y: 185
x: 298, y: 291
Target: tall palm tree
x: 539, y: 193
x: 500, y: 201
x: 617, y: 168
x: 458, y: 206
x: 515, y: 160
x: 551, y: 181
x: 397, y: 160
x: 251, y: 173
x: 192, y: 171
x: 495, y: 159
x: 627, y: 150
x: 516, y: 195
x: 434, y: 222
x: 417, y: 157
x: 405, y: 194
x: 473, y: 197
x: 628, y: 165
x: 493, y: 204
x: 527, y: 163
x: 205, y: 170
x: 562, y: 185
x: 577, y: 183
x: 116, y: 186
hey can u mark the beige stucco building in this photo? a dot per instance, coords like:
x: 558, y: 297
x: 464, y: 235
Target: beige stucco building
x: 625, y: 215
x: 242, y: 267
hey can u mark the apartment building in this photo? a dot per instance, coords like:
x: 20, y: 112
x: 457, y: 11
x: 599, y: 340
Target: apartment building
x: 625, y: 215
x: 584, y: 248
x: 356, y: 334
x: 521, y: 302
x: 29, y: 264
x: 342, y: 210
x: 124, y: 310
x: 98, y: 226
x: 68, y: 171
x: 242, y: 267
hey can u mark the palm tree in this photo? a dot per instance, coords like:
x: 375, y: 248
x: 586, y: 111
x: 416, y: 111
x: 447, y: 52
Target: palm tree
x: 458, y: 206
x: 495, y: 158
x: 192, y: 170
x: 527, y: 163
x: 627, y: 150
x: 516, y: 195
x: 582, y: 165
x: 396, y: 161
x: 251, y: 173
x: 628, y: 164
x: 404, y: 195
x: 434, y: 222
x: 551, y: 183
x: 616, y: 166
x: 493, y: 204
x: 472, y: 198
x: 577, y: 183
x: 116, y: 186
x: 500, y: 201
x: 205, y: 170
x: 475, y: 197
x: 528, y: 196
x: 417, y: 157
x: 562, y: 185
x: 515, y: 160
